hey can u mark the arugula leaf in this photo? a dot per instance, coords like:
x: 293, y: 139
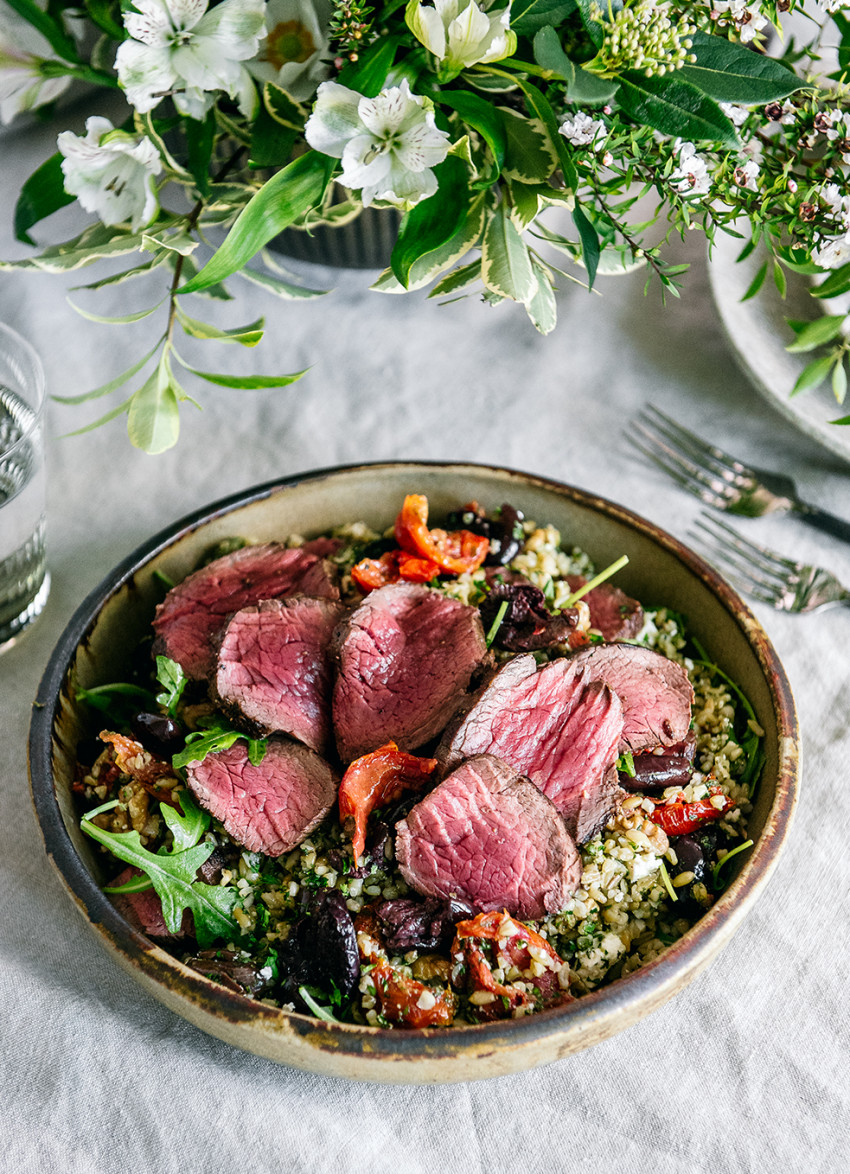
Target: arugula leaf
x: 173, y: 876
x: 187, y: 827
x: 173, y: 680
x: 217, y: 735
x: 626, y: 764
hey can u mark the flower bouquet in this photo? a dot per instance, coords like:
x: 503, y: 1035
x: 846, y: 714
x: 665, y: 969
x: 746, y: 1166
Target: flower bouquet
x: 466, y: 120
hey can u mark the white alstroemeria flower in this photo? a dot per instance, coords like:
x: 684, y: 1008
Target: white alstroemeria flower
x: 296, y: 43
x: 746, y: 18
x: 22, y: 50
x: 178, y: 46
x: 387, y: 144
x: 111, y: 173
x: 832, y: 253
x: 460, y: 34
x: 583, y: 131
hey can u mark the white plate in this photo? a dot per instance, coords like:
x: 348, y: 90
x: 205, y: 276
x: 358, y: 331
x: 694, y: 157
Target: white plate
x: 758, y: 334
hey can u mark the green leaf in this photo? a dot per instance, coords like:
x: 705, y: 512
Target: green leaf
x: 542, y: 308
x: 368, y: 74
x: 528, y: 155
x: 283, y: 108
x: 756, y: 284
x: 458, y: 279
x: 836, y: 284
x: 481, y: 116
x: 526, y: 202
x: 271, y: 143
x: 174, y: 878
x: 244, y: 382
x: 542, y: 110
x: 590, y: 246
x: 432, y: 222
x: 188, y: 825
x: 125, y: 274
x: 200, y: 135
x: 549, y: 54
x: 290, y: 291
x: 153, y: 422
x: 42, y: 194
x: 839, y: 380
x: 100, y: 12
x: 587, y: 89
x: 529, y: 15
x: 119, y: 411
x: 122, y: 320
x: 779, y: 279
x: 95, y: 243
x: 248, y: 335
x: 505, y: 261
x: 173, y: 680
x: 675, y: 108
x: 51, y: 29
x: 427, y: 268
x: 813, y: 375
x: 147, y: 126
x: 175, y: 240
x: 595, y: 31
x: 113, y: 384
x: 821, y: 331
x: 279, y: 202
x: 729, y: 72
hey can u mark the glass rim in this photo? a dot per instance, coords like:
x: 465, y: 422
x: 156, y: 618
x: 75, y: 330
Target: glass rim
x: 34, y: 380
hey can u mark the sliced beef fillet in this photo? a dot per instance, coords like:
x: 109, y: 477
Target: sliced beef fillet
x: 274, y: 671
x: 613, y: 613
x: 488, y: 836
x: 550, y: 725
x: 270, y: 807
x: 656, y: 693
x: 195, y: 611
x: 406, y: 658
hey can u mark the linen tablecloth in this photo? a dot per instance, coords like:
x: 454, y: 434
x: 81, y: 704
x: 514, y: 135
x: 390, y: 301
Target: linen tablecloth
x: 746, y: 1070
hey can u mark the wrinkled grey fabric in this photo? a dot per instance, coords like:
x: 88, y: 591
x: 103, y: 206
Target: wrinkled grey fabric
x: 746, y: 1070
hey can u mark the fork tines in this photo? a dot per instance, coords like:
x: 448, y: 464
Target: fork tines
x: 763, y: 573
x: 705, y: 470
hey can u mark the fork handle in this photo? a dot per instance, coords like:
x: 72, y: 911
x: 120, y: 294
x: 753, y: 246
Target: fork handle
x: 822, y: 520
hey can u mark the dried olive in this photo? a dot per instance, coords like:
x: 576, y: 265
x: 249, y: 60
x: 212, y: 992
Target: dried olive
x: 157, y: 733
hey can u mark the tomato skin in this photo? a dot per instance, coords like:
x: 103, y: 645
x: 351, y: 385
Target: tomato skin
x: 399, y: 998
x: 371, y: 573
x: 677, y: 819
x: 454, y: 552
x: 515, y: 941
x: 375, y: 779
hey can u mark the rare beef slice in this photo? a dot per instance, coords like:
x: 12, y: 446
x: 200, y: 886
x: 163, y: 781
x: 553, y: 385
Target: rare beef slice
x: 269, y: 807
x: 548, y: 724
x: 194, y: 612
x: 274, y: 671
x: 488, y: 836
x: 406, y: 657
x: 655, y: 692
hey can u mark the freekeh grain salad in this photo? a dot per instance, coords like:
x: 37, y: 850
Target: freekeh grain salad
x: 437, y: 776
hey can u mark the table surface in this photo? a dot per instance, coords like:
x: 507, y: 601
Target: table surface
x: 746, y: 1070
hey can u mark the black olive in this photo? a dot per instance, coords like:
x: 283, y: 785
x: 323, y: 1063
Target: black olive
x: 334, y: 948
x: 157, y: 733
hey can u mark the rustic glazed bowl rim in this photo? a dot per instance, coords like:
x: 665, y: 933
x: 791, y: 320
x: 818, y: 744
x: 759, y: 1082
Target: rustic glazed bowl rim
x: 658, y: 979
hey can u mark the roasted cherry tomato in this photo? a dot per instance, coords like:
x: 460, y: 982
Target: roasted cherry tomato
x: 455, y: 552
x: 375, y: 779
x: 677, y: 819
x: 496, y: 941
x: 409, y: 1002
x: 371, y: 573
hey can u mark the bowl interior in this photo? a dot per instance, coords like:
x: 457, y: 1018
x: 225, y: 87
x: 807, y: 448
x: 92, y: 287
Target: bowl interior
x: 94, y: 650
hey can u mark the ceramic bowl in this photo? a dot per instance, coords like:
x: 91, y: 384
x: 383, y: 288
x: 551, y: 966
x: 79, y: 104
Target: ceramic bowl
x: 93, y: 650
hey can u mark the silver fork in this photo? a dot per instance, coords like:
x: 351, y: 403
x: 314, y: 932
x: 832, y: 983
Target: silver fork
x: 766, y: 575
x: 720, y: 480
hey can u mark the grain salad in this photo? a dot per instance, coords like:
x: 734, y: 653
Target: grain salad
x: 335, y: 921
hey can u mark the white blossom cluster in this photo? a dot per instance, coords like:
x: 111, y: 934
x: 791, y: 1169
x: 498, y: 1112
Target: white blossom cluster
x: 746, y: 18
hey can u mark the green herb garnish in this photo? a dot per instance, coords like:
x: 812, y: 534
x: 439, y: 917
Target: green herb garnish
x: 319, y: 1011
x: 596, y: 580
x: 665, y: 877
x: 173, y: 875
x: 497, y: 622
x: 715, y: 872
x: 751, y: 741
x: 626, y: 764
x: 173, y: 680
x: 217, y: 735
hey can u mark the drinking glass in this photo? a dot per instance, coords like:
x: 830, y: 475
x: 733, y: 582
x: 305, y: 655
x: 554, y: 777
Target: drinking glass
x: 24, y: 580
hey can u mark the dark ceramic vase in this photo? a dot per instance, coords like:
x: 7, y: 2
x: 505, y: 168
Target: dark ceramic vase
x: 363, y: 243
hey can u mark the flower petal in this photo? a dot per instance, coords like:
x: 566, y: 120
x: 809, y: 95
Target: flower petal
x: 334, y: 120
x: 145, y: 73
